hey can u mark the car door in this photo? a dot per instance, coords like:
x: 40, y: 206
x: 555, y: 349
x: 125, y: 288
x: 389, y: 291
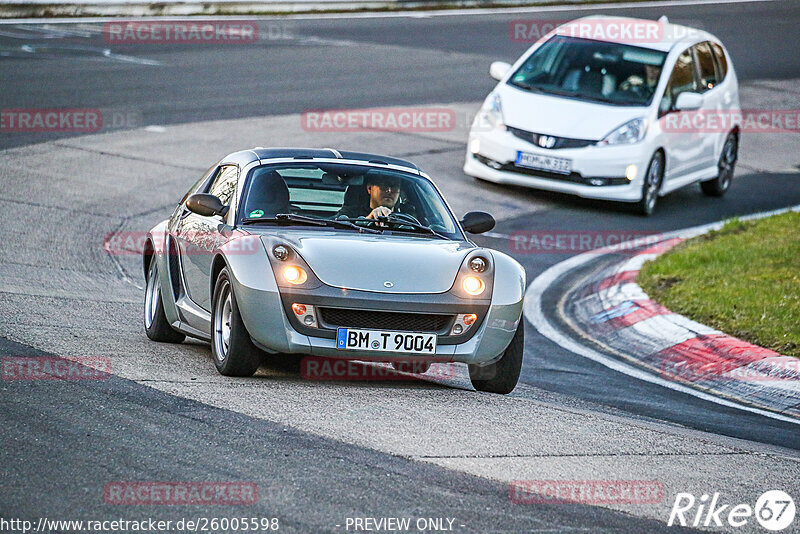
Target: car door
x: 198, y: 236
x: 713, y: 104
x: 681, y: 144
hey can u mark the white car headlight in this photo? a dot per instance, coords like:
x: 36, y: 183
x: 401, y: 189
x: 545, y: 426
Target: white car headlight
x: 627, y: 134
x: 491, y: 114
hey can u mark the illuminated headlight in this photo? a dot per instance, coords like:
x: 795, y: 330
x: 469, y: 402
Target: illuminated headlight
x: 473, y: 285
x: 630, y: 172
x: 627, y: 134
x: 305, y: 314
x: 491, y: 114
x: 294, y: 275
x: 462, y: 323
x: 475, y: 145
x: 478, y: 264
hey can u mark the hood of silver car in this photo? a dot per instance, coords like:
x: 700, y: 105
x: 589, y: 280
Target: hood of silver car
x: 382, y: 263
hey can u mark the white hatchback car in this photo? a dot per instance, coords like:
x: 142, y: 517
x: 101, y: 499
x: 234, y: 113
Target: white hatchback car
x: 597, y: 117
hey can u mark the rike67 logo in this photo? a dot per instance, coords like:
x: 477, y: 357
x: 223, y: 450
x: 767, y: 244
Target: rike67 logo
x: 774, y: 510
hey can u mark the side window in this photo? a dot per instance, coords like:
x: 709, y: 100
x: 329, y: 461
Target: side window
x: 680, y: 81
x: 722, y: 63
x: 225, y: 183
x: 706, y: 67
x: 198, y: 184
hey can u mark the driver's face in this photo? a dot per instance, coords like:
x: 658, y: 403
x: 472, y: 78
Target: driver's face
x: 383, y: 194
x: 653, y: 73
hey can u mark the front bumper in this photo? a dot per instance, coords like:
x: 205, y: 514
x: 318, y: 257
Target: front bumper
x: 268, y: 323
x: 602, y: 165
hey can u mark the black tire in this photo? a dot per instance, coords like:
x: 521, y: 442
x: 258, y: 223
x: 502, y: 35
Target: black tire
x: 156, y: 325
x: 726, y: 165
x: 652, y: 185
x: 501, y: 376
x: 239, y: 356
x: 416, y: 368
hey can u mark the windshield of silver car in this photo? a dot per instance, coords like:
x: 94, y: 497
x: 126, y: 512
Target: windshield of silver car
x: 346, y: 196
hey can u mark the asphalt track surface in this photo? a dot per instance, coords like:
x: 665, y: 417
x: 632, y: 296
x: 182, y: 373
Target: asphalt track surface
x: 332, y: 63
x: 64, y: 440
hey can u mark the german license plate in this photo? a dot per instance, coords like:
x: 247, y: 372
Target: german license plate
x: 384, y: 341
x: 544, y: 163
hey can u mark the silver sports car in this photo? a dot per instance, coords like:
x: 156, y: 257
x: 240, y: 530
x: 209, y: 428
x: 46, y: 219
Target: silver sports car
x: 333, y: 254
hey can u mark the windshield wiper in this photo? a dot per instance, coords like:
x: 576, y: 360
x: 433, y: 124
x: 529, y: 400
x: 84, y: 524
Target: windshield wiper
x: 527, y: 86
x: 396, y: 224
x: 284, y: 218
x: 290, y: 218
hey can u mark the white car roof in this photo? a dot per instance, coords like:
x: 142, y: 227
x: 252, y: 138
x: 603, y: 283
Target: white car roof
x: 670, y: 34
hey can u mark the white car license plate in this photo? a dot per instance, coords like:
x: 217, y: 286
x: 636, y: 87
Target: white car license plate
x: 544, y: 163
x: 382, y: 341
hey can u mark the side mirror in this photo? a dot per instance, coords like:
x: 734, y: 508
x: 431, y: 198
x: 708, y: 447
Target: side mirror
x: 498, y: 69
x: 688, y: 101
x: 477, y: 222
x: 206, y: 205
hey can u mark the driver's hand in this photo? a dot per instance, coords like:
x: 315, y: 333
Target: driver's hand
x: 380, y: 211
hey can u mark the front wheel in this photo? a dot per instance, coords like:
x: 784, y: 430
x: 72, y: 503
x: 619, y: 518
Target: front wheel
x: 501, y: 376
x: 652, y: 185
x: 156, y: 325
x: 234, y: 352
x: 727, y: 161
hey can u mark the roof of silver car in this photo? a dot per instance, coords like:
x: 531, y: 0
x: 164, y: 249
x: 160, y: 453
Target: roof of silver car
x: 262, y: 154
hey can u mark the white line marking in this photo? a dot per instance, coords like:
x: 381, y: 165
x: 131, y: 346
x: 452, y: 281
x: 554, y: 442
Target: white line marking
x: 616, y: 295
x: 129, y: 59
x: 535, y: 315
x: 495, y: 235
x: 405, y: 14
x: 636, y: 262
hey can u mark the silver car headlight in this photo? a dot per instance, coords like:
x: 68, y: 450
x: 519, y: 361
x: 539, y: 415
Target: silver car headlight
x: 475, y: 277
x: 627, y: 134
x: 290, y: 269
x: 491, y: 114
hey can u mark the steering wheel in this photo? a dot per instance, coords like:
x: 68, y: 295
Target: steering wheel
x: 404, y: 217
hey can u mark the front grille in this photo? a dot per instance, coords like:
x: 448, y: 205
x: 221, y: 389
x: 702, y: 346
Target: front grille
x: 560, y: 142
x: 381, y: 320
x: 573, y: 177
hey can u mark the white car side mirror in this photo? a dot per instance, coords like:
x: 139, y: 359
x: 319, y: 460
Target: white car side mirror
x: 688, y: 101
x: 498, y: 69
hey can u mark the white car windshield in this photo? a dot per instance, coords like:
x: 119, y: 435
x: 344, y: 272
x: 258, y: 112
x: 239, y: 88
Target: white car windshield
x: 584, y: 69
x: 346, y: 193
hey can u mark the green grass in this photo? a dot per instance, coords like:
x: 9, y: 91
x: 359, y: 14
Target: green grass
x: 743, y: 280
